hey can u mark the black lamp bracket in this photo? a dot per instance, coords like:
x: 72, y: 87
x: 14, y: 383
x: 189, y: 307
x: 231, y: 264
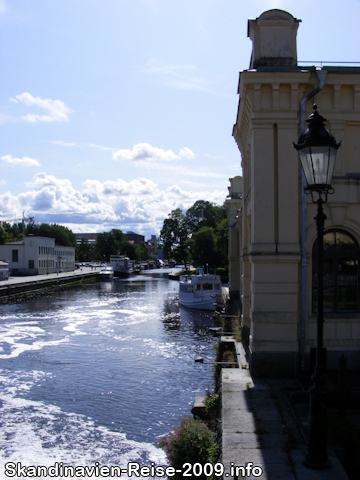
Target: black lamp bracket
x: 322, y: 190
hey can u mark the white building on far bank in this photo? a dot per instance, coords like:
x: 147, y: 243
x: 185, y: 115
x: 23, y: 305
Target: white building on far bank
x: 37, y: 255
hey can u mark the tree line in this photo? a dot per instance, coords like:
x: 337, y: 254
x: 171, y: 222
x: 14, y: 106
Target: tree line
x: 111, y: 243
x: 107, y: 243
x: 199, y: 235
x: 16, y: 231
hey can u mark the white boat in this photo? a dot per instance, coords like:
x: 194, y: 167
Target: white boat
x: 106, y: 272
x: 4, y: 270
x: 122, y: 265
x: 202, y: 292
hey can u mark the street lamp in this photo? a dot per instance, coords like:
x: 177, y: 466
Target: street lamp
x: 317, y: 151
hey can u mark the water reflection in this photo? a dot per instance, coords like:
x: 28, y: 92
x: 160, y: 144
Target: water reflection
x: 111, y: 364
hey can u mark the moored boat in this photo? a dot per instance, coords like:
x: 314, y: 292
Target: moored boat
x: 4, y: 270
x: 106, y: 273
x: 122, y: 265
x: 202, y: 292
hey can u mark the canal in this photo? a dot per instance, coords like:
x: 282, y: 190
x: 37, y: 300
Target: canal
x: 98, y: 373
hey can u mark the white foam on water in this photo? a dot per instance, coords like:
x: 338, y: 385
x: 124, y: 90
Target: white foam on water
x: 76, y: 319
x: 73, y: 327
x: 36, y: 434
x: 21, y: 337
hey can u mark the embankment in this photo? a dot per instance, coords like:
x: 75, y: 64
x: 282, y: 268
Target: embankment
x: 37, y: 284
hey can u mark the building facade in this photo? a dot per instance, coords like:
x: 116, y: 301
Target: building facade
x: 88, y: 237
x: 276, y: 226
x: 132, y: 237
x: 37, y: 255
x: 233, y: 210
x: 135, y: 238
x: 152, y: 245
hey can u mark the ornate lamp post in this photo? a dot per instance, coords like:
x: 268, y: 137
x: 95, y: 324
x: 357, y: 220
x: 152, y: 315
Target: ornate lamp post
x: 317, y: 151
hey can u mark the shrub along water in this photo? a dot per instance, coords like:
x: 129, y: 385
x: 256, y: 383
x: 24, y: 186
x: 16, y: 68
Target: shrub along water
x: 191, y: 442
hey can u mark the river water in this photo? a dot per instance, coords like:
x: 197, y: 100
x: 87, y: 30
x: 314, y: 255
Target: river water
x: 97, y: 373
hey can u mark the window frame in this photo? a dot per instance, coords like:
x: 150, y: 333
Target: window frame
x: 15, y: 255
x: 336, y: 256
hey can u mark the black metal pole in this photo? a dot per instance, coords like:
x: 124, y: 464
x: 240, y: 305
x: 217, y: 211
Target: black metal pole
x: 316, y: 456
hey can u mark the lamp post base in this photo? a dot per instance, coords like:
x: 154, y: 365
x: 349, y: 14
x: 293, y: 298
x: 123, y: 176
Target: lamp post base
x: 316, y: 456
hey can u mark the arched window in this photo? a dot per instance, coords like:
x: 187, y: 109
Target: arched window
x: 341, y: 273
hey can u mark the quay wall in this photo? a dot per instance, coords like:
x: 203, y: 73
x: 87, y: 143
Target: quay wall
x: 11, y: 289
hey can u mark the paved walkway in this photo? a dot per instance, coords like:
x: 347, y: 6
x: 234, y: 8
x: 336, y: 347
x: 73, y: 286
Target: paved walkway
x: 16, y: 286
x: 258, y: 427
x: 32, y: 278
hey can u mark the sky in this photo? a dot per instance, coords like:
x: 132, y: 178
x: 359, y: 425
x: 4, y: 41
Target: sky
x: 115, y: 112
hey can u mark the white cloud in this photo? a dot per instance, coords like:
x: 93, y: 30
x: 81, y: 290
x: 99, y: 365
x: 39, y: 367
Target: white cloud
x: 139, y: 205
x: 139, y: 152
x: 52, y: 198
x: 61, y: 143
x: 145, y: 151
x: 140, y: 186
x: 64, y: 144
x: 182, y: 172
x: 178, y: 76
x: 186, y: 152
x: 24, y: 161
x: 56, y: 110
x: 42, y: 180
x: 98, y: 147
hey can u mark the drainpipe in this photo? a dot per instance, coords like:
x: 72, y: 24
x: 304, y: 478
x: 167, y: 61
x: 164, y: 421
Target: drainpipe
x: 321, y: 74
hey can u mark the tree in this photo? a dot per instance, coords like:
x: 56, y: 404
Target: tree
x: 222, y: 242
x: 12, y: 232
x: 210, y: 246
x: 84, y: 251
x: 131, y: 250
x: 142, y: 251
x: 174, y: 235
x: 5, y: 237
x: 203, y: 247
x: 204, y: 214
x: 63, y: 235
x: 110, y: 243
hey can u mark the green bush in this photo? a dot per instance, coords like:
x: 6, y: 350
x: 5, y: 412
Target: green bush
x: 192, y: 441
x: 218, y: 319
x: 211, y: 402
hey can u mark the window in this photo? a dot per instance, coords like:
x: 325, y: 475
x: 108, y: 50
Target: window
x: 15, y: 256
x: 341, y: 273
x: 31, y: 264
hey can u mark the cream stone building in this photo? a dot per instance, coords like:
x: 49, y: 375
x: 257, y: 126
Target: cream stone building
x: 35, y: 255
x: 276, y: 227
x: 233, y: 207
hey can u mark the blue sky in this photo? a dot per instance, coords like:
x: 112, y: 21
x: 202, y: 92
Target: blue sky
x: 115, y: 112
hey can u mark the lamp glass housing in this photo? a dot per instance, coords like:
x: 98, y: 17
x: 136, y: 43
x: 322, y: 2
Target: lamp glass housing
x: 318, y: 162
x: 317, y: 151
